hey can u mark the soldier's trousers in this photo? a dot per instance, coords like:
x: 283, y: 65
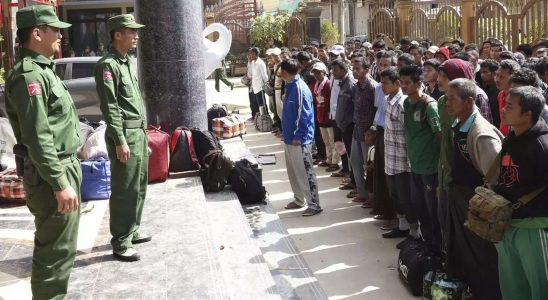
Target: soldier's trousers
x: 55, y: 237
x: 128, y: 189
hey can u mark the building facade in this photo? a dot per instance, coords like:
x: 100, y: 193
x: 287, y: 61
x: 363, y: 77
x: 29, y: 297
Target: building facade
x: 88, y: 19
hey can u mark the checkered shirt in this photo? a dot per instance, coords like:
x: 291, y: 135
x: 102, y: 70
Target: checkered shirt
x: 395, y: 153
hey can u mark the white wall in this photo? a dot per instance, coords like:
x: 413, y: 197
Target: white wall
x: 361, y: 18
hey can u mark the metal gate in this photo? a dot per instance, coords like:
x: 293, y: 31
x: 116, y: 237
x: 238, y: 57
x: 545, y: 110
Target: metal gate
x: 383, y: 21
x: 533, y: 21
x: 493, y: 21
x: 419, y: 27
x: 448, y: 24
x: 296, y: 32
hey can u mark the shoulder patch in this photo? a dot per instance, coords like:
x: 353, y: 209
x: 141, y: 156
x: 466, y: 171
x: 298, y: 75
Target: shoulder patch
x: 34, y: 88
x: 107, y: 75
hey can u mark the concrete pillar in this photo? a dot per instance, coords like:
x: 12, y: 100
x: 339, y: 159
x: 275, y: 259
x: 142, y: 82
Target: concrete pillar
x: 403, y: 7
x: 313, y: 11
x: 468, y: 15
x: 341, y: 21
x: 171, y: 62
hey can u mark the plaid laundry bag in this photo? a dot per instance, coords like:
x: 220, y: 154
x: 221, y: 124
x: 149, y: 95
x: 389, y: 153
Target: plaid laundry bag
x: 223, y: 128
x: 11, y: 186
x: 240, y: 122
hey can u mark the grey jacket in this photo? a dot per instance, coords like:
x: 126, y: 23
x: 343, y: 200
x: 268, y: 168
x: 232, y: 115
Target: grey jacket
x: 345, y: 105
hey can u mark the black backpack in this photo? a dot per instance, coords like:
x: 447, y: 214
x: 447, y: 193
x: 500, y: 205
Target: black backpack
x: 183, y: 154
x: 216, y: 111
x: 216, y: 169
x: 246, y: 184
x: 204, y: 143
x: 414, y: 261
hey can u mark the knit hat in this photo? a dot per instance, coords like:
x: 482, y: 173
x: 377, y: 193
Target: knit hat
x: 443, y: 51
x: 457, y: 68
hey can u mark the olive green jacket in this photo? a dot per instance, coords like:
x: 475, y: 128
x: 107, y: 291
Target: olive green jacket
x: 119, y: 93
x: 42, y: 115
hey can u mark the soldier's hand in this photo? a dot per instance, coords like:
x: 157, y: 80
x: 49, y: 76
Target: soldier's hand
x: 122, y: 153
x: 67, y: 200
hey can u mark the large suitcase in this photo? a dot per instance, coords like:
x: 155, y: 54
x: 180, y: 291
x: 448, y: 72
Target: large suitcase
x: 414, y: 262
x: 158, y: 161
x: 183, y: 153
x: 95, y: 179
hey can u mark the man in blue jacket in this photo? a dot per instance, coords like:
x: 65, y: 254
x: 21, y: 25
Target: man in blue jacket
x: 298, y: 132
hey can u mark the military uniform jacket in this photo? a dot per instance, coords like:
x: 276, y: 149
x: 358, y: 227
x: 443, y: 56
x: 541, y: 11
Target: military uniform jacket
x: 43, y: 116
x: 119, y: 92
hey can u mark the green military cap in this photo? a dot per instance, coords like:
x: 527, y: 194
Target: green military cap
x: 37, y: 15
x: 123, y: 21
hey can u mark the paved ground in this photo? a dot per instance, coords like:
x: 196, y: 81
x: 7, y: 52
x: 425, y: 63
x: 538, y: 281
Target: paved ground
x: 343, y: 245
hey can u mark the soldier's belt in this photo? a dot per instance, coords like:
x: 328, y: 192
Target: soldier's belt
x: 134, y: 124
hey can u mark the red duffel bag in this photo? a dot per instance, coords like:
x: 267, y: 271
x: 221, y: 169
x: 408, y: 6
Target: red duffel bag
x: 158, y: 161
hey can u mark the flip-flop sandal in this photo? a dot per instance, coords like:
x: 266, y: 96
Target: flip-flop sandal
x: 292, y: 205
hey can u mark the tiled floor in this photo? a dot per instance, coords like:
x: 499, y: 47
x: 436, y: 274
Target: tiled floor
x: 179, y: 263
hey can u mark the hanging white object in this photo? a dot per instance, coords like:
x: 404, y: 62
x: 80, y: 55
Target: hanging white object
x: 215, y: 52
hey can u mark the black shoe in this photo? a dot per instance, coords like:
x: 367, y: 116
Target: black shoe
x: 127, y: 255
x: 407, y: 240
x: 396, y: 233
x: 142, y: 238
x: 310, y: 212
x: 347, y: 186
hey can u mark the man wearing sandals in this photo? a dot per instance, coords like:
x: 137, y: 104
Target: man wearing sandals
x: 298, y: 131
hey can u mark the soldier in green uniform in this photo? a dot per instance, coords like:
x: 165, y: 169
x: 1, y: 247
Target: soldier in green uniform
x: 123, y: 111
x: 45, y: 123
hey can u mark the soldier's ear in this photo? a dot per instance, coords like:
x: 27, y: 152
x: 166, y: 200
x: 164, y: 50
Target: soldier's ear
x: 36, y: 34
x: 118, y: 35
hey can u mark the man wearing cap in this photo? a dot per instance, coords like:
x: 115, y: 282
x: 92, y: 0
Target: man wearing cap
x: 431, y: 52
x: 44, y: 120
x: 124, y: 114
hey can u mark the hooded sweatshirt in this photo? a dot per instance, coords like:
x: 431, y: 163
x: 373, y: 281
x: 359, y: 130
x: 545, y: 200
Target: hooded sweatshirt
x: 524, y: 169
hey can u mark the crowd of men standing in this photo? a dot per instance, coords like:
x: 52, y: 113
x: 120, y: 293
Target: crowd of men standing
x: 412, y: 131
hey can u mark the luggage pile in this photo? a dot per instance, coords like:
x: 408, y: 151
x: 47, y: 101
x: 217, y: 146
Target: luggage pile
x: 223, y: 125
x: 190, y: 151
x: 421, y: 271
x: 11, y: 186
x: 95, y: 162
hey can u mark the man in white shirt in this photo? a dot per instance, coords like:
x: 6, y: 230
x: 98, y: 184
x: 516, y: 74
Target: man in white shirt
x: 259, y: 76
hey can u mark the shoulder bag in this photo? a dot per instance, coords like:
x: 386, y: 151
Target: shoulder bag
x: 490, y: 214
